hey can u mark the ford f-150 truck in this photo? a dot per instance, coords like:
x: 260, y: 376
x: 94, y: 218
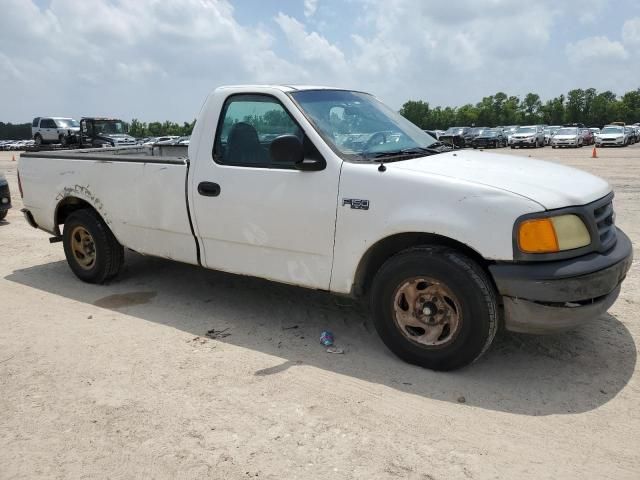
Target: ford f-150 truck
x: 330, y: 189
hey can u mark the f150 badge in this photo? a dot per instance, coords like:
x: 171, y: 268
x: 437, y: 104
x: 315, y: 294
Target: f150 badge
x: 356, y: 203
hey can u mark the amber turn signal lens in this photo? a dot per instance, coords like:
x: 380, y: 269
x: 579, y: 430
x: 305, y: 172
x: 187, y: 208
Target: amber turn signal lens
x: 538, y: 236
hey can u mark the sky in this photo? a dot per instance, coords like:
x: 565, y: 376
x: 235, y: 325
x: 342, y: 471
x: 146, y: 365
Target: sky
x: 159, y: 59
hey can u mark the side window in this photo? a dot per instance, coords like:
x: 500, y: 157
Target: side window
x: 36, y: 121
x: 47, y: 123
x: 249, y: 124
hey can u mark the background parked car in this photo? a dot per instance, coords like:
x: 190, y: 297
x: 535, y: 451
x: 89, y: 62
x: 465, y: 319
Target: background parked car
x: 528, y: 136
x: 567, y: 137
x: 612, y: 135
x: 457, y: 136
x: 166, y: 140
x: 54, y: 130
x: 587, y: 136
x: 5, y: 197
x: 631, y: 135
x: 490, y: 138
x: 475, y: 131
x: 549, y: 131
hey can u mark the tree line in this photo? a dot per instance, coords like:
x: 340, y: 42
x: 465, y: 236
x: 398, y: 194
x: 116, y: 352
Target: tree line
x: 588, y: 106
x: 140, y: 129
x: 18, y: 131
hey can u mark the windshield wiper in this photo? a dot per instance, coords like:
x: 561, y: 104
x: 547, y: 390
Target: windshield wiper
x: 405, y: 153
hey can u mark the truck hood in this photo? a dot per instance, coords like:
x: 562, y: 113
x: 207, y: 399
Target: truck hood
x: 549, y: 184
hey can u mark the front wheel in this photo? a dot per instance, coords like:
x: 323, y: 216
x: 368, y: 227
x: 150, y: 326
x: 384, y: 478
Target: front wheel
x: 434, y: 307
x: 3, y: 214
x: 92, y: 251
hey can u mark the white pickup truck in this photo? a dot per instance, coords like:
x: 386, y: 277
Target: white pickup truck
x: 332, y: 190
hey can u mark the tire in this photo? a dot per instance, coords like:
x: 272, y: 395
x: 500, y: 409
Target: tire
x: 63, y: 140
x: 38, y: 139
x: 470, y: 294
x: 513, y: 147
x: 3, y: 214
x: 108, y: 254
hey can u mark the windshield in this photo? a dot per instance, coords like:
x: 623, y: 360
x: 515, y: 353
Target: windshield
x: 358, y: 126
x: 109, y: 127
x: 489, y: 133
x: 526, y: 130
x: 567, y: 131
x: 67, y: 123
x: 611, y: 130
x: 454, y: 131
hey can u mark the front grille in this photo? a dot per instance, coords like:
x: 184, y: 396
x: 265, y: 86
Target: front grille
x: 604, y: 219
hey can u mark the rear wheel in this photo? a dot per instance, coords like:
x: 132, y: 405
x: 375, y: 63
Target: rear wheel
x: 434, y: 307
x: 92, y: 251
x: 3, y: 214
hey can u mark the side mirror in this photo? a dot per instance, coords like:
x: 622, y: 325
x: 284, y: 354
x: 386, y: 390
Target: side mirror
x: 288, y: 150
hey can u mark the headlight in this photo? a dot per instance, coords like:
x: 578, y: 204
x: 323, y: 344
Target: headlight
x: 553, y: 234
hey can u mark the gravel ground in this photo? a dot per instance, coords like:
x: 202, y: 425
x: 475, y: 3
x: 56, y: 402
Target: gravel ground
x: 121, y: 381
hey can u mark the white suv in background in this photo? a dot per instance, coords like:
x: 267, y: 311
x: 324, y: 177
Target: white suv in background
x: 54, y: 130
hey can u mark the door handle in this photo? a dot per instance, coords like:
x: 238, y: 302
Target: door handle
x: 209, y: 189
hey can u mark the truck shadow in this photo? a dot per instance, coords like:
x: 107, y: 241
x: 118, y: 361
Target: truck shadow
x: 528, y: 375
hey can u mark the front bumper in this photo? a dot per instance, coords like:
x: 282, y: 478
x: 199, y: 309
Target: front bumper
x: 550, y: 297
x: 522, y: 142
x: 565, y: 143
x: 485, y: 143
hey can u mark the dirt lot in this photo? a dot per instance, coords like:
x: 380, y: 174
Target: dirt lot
x: 119, y: 381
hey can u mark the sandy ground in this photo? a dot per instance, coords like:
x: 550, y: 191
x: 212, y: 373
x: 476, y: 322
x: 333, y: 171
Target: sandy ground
x: 119, y: 381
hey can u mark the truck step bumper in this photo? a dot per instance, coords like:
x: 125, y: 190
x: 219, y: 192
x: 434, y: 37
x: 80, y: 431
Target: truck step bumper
x: 527, y: 316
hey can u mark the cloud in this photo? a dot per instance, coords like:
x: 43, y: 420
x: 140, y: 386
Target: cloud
x: 314, y: 50
x: 631, y: 32
x: 597, y: 49
x: 310, y: 7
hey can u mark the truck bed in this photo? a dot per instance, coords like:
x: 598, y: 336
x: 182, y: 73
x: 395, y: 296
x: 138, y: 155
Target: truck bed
x: 175, y: 154
x: 140, y: 193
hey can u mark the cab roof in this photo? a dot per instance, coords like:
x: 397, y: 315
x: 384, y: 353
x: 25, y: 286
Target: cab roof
x: 281, y: 87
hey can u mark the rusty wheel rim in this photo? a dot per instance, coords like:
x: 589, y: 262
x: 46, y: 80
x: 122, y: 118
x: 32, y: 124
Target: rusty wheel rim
x: 427, y: 312
x: 83, y: 248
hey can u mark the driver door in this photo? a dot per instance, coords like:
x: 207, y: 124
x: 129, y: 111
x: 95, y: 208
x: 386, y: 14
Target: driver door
x: 257, y: 217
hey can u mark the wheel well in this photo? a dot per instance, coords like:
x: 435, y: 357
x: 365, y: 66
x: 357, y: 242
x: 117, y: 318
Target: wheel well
x: 67, y: 206
x: 384, y: 249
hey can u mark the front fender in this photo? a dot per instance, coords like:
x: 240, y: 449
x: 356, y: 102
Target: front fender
x: 478, y: 216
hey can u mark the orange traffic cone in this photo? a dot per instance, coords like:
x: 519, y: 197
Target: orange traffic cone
x: 594, y: 152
